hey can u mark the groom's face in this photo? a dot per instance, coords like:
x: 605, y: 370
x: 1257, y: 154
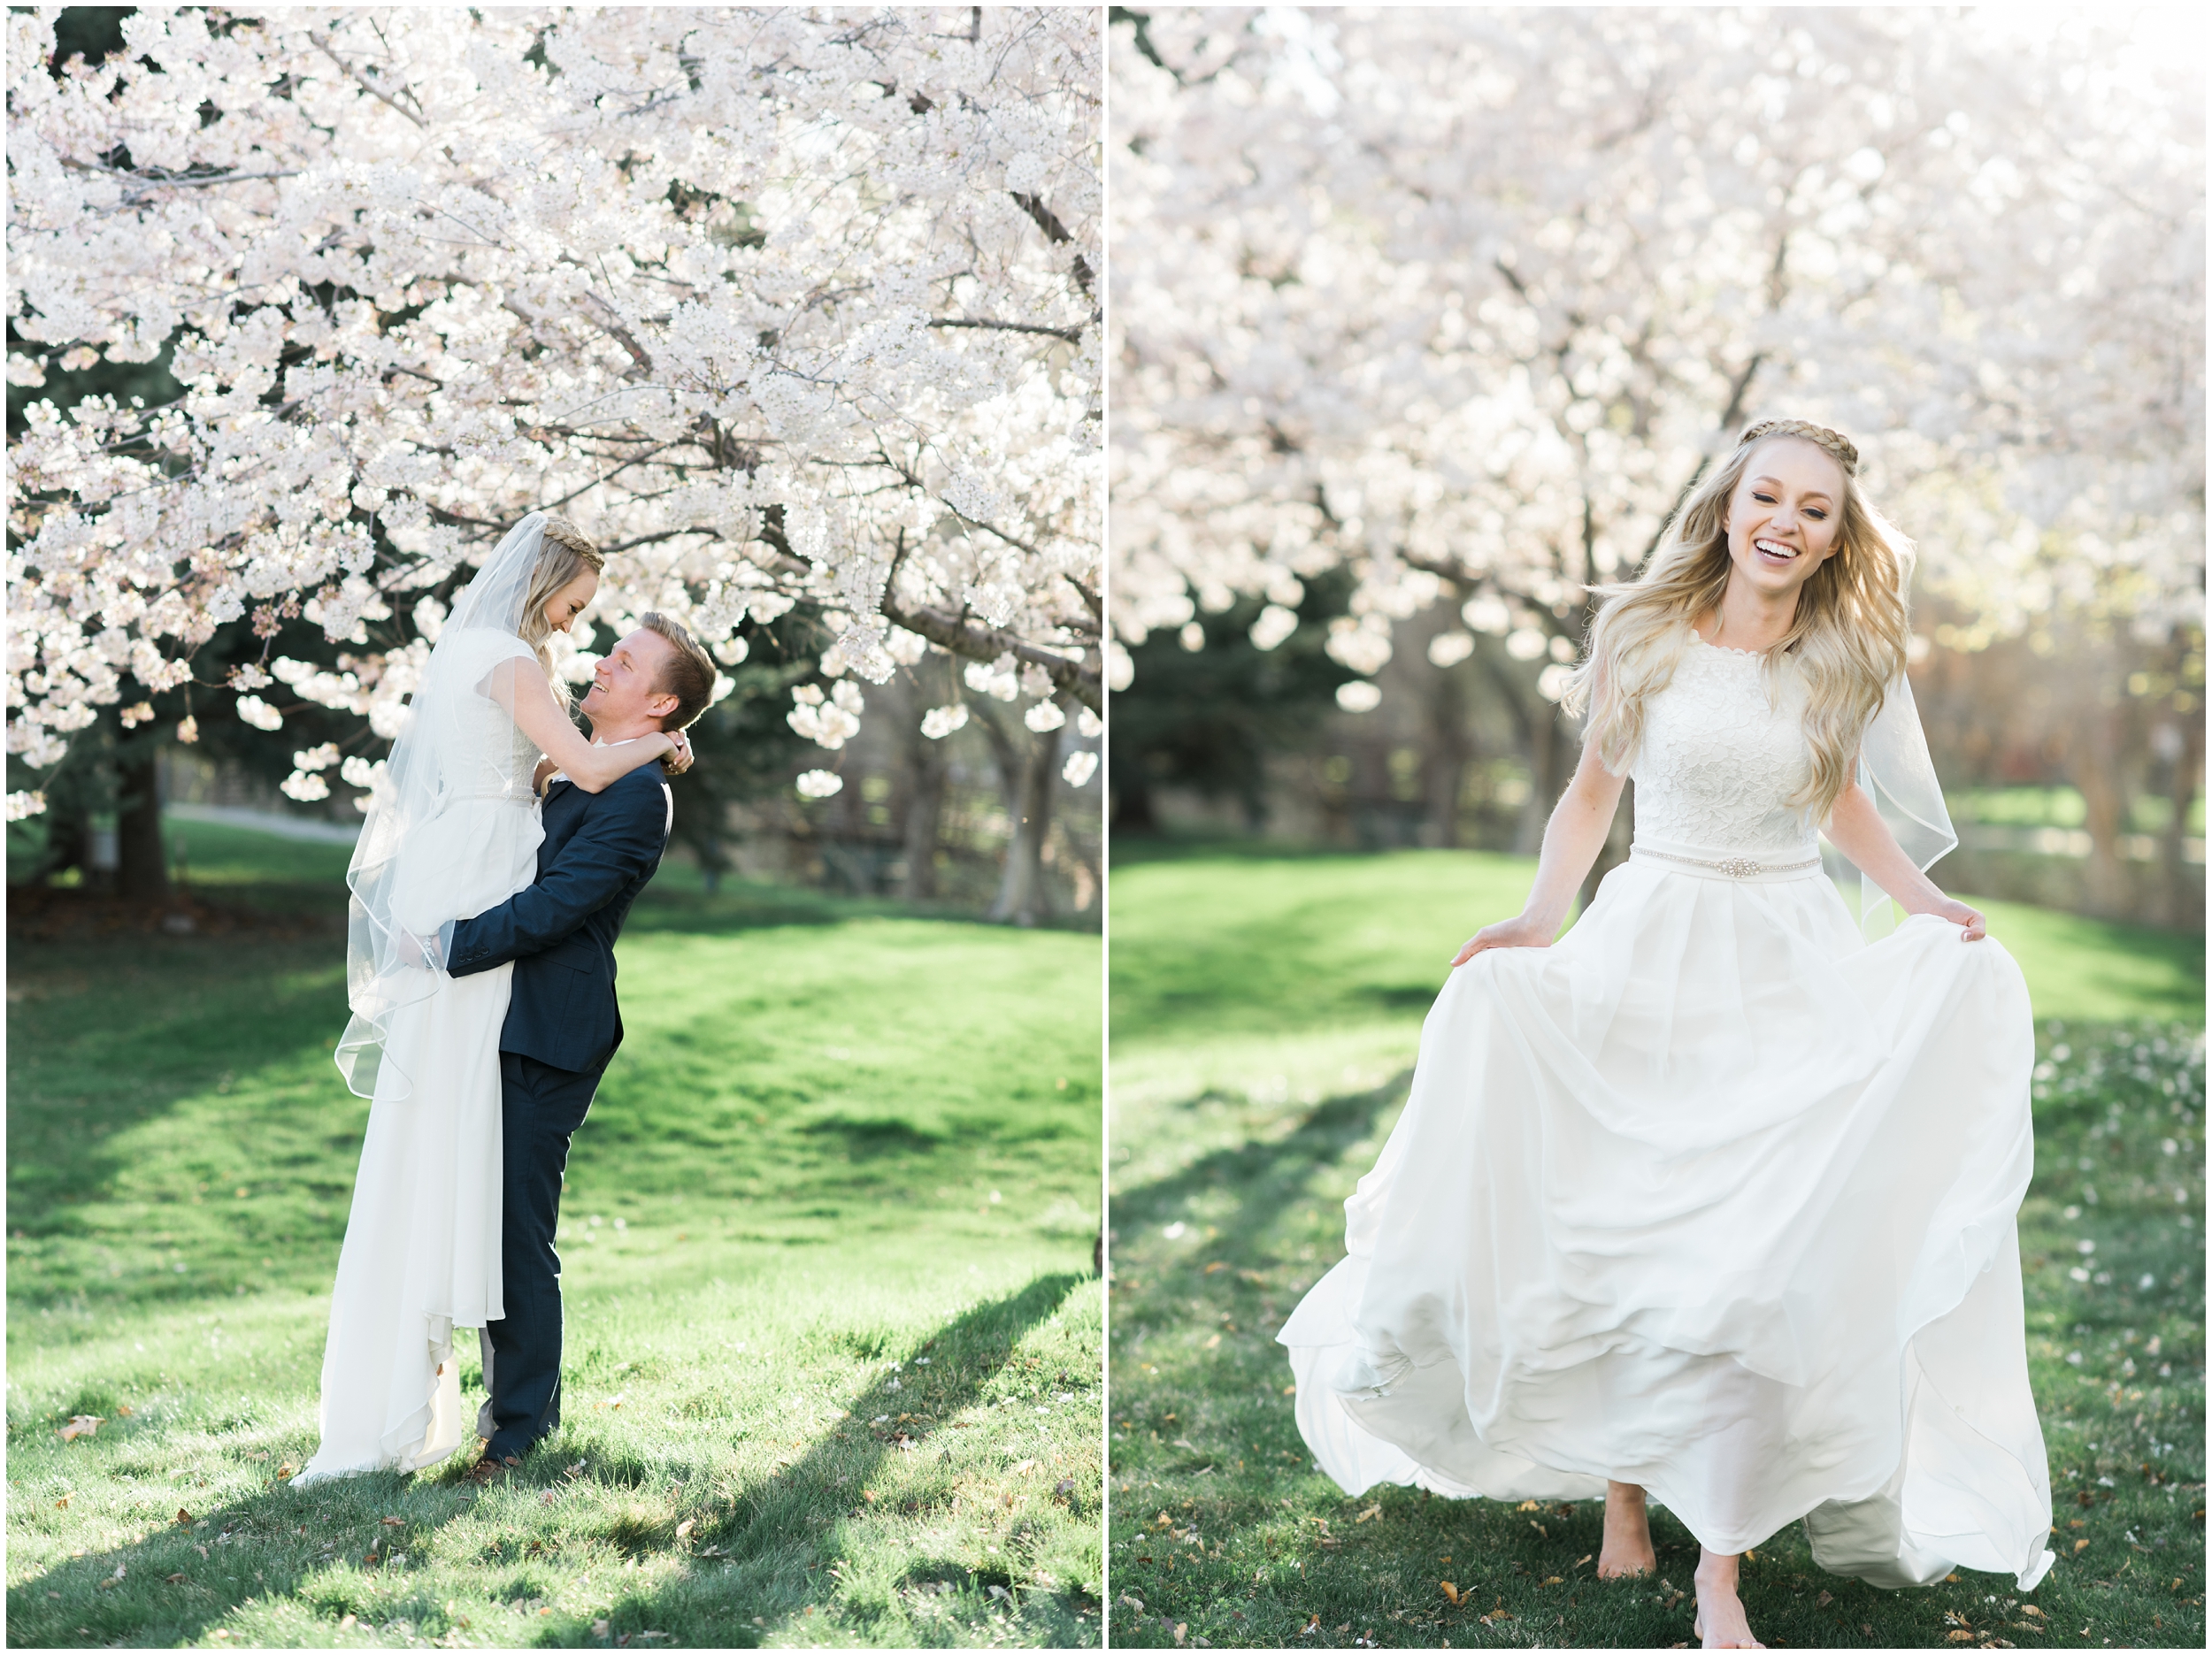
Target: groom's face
x: 625, y: 693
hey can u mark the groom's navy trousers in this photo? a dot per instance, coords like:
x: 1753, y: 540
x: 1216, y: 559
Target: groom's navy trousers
x: 562, y: 1026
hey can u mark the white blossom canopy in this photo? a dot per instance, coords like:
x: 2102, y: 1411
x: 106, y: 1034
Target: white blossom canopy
x: 783, y: 306
x: 1462, y: 300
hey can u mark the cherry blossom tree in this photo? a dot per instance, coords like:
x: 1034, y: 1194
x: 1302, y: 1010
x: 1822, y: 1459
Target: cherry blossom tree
x: 787, y: 307
x: 1465, y: 301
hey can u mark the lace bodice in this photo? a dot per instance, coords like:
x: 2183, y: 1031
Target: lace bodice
x: 483, y: 753
x: 1718, y: 765
x: 522, y: 761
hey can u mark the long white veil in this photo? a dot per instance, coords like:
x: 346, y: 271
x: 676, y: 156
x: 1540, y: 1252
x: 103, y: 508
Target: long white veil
x: 1897, y: 774
x: 454, y: 743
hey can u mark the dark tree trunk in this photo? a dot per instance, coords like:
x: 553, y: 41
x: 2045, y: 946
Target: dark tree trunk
x: 67, y: 843
x: 1444, y: 765
x: 1542, y: 729
x: 1545, y: 739
x: 1132, y: 796
x: 142, y: 870
x: 713, y: 862
x: 2097, y: 769
x: 2185, y: 900
x: 1027, y: 765
x: 924, y: 813
x: 1372, y: 796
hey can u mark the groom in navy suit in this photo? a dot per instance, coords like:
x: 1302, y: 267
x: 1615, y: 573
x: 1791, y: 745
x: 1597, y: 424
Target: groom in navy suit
x: 562, y: 1024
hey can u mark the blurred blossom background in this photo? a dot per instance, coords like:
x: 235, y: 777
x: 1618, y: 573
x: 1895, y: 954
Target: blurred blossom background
x: 1424, y: 319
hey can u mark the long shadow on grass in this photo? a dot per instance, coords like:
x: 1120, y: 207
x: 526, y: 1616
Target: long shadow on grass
x: 184, y: 1580
x: 63, y: 1128
x: 770, y: 1543
x: 1262, y: 1181
x: 774, y: 1548
x: 1249, y: 1186
x: 1268, y: 1176
x: 1245, y: 1190
x: 1266, y: 1179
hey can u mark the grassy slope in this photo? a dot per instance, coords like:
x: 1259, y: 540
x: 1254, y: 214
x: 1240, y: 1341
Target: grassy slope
x: 837, y: 1141
x: 1264, y: 1013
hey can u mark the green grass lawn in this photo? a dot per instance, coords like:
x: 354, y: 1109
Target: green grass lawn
x: 1265, y: 1013
x: 833, y: 1366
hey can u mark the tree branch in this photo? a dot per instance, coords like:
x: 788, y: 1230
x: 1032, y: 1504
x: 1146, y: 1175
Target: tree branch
x: 610, y: 323
x: 913, y: 480
x: 194, y: 181
x: 1728, y: 418
x: 603, y: 316
x: 974, y: 641
x: 1055, y: 231
x: 355, y: 75
x: 1073, y: 335
x: 1143, y: 22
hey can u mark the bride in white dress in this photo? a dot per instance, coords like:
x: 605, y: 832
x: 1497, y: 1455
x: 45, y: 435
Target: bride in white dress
x: 1715, y: 1198
x: 452, y: 830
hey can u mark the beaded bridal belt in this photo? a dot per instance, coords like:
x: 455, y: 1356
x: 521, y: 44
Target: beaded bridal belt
x: 1737, y: 867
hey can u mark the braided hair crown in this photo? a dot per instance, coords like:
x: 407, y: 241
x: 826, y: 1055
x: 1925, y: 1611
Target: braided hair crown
x: 1838, y: 448
x: 561, y: 531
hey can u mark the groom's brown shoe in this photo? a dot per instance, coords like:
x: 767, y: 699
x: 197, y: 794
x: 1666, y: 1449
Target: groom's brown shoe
x: 489, y: 1472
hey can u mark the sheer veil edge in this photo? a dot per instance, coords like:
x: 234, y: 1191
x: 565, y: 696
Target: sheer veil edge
x: 438, y: 753
x: 1897, y: 774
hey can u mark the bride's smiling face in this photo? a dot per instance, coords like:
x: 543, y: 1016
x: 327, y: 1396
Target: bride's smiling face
x: 1782, y: 517
x: 563, y: 607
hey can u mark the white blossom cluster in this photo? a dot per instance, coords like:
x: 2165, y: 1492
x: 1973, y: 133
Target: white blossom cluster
x: 1463, y: 300
x: 828, y: 721
x: 785, y: 306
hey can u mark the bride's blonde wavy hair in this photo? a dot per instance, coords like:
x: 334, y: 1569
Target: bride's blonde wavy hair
x: 563, y: 553
x: 1845, y: 648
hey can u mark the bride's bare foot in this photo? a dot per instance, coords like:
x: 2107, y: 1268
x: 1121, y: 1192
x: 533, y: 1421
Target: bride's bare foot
x: 1720, y: 1623
x: 1627, y: 1549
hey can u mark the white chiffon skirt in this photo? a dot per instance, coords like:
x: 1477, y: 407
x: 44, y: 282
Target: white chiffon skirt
x: 422, y: 1250
x: 1713, y: 1198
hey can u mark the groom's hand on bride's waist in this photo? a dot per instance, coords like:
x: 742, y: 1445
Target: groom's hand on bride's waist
x: 425, y: 953
x: 619, y: 838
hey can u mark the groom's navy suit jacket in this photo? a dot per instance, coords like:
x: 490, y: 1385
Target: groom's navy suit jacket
x: 599, y: 851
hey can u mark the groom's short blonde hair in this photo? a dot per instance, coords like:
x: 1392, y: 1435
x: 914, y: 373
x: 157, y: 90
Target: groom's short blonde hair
x: 689, y: 675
